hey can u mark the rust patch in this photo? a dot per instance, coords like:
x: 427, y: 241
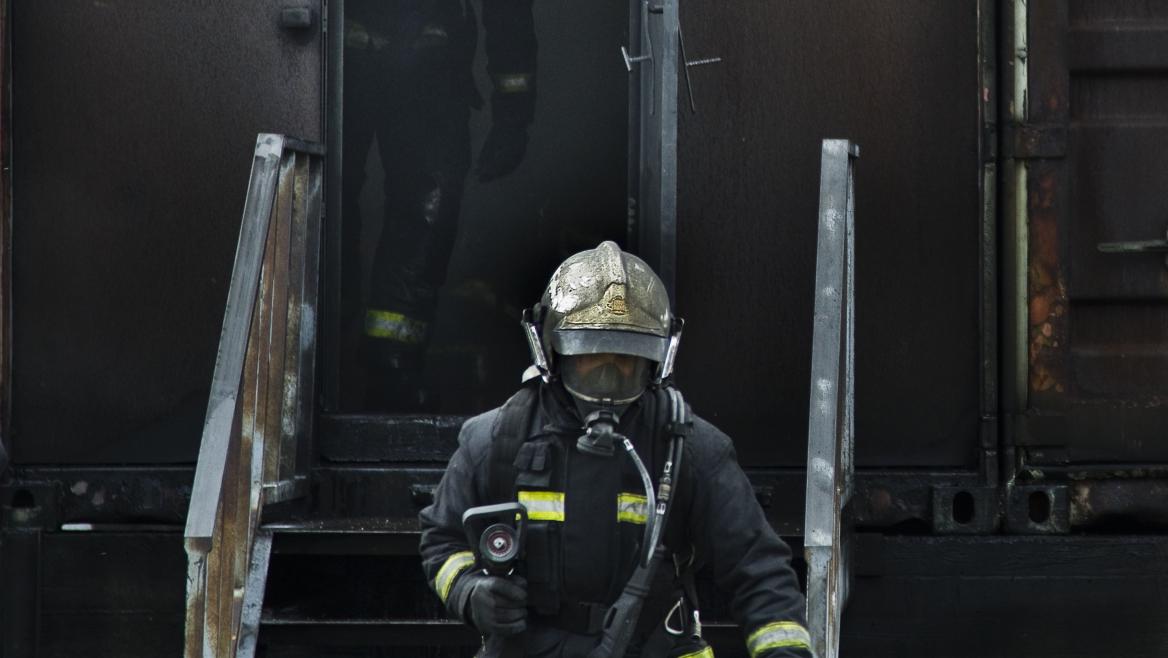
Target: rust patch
x: 1046, y: 280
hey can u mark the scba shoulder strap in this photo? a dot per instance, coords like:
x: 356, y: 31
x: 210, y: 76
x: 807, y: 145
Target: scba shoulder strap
x: 507, y: 435
x: 509, y: 432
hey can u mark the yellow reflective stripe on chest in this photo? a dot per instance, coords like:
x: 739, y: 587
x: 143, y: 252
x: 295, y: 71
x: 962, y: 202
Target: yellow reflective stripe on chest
x: 454, y: 565
x: 776, y: 635
x: 632, y: 508
x: 543, y: 505
x: 708, y: 652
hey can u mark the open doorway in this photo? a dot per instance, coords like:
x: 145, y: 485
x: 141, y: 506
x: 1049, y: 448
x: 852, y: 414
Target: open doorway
x: 482, y: 144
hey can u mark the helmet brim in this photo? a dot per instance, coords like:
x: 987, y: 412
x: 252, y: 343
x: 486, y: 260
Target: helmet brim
x: 607, y: 341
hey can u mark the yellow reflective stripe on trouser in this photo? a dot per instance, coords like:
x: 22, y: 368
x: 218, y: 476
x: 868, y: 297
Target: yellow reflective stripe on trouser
x: 512, y: 83
x: 632, y: 508
x: 708, y: 652
x: 454, y: 565
x: 394, y: 326
x: 543, y: 505
x: 776, y: 635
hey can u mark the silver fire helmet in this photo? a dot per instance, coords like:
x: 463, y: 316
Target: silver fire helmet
x: 599, y: 301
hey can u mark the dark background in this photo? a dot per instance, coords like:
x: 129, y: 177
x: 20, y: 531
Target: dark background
x: 133, y: 128
x: 132, y: 155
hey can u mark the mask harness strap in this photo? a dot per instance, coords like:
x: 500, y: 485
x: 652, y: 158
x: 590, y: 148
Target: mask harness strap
x: 621, y: 619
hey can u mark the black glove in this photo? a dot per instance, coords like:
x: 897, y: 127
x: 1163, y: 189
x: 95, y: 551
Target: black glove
x: 506, y: 143
x: 497, y: 605
x: 502, y: 152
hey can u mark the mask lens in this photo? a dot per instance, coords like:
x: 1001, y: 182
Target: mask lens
x: 614, y: 378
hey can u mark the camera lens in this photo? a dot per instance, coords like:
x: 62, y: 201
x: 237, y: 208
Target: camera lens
x: 499, y: 544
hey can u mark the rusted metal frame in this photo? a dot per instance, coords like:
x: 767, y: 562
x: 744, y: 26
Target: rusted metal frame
x: 831, y: 416
x: 987, y: 55
x: 287, y: 464
x: 330, y: 300
x: 154, y: 496
x: 882, y: 499
x: 235, y: 514
x: 290, y: 430
x: 309, y: 320
x: 253, y: 598
x: 261, y: 366
x: 276, y: 286
x: 217, y: 468
x: 232, y: 521
x: 1047, y: 204
x: 196, y: 605
x: 1012, y: 107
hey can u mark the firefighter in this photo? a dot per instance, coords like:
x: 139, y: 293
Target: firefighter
x: 409, y: 84
x: 617, y: 478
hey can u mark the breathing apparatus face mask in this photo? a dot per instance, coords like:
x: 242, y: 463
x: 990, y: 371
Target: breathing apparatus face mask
x: 603, y: 385
x: 605, y: 379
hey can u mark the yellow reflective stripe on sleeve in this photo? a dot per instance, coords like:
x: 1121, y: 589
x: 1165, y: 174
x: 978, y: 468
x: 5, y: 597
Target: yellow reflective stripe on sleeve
x: 395, y: 326
x: 776, y: 635
x: 543, y: 505
x: 454, y: 565
x: 708, y: 652
x: 632, y: 508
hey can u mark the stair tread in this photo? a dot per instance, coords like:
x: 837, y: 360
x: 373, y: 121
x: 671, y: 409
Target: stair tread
x: 365, y: 526
x: 276, y: 620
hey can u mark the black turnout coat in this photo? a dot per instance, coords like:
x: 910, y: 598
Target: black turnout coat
x: 586, y: 522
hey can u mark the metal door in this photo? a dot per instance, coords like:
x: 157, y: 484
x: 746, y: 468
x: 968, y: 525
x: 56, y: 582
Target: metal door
x: 133, y: 129
x: 1093, y: 152
x: 901, y: 79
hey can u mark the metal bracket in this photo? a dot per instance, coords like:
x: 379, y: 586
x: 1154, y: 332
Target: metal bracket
x: 639, y: 59
x: 296, y: 18
x: 830, y: 419
x: 965, y: 510
x: 1038, y: 510
x: 630, y: 59
x: 1136, y: 247
x: 648, y: 56
x: 691, y: 63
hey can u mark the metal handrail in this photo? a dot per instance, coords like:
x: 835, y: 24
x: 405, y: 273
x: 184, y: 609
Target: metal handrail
x: 831, y: 418
x: 259, y: 416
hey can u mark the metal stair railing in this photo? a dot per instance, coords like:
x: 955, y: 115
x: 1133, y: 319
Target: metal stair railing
x: 256, y: 443
x: 831, y: 417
